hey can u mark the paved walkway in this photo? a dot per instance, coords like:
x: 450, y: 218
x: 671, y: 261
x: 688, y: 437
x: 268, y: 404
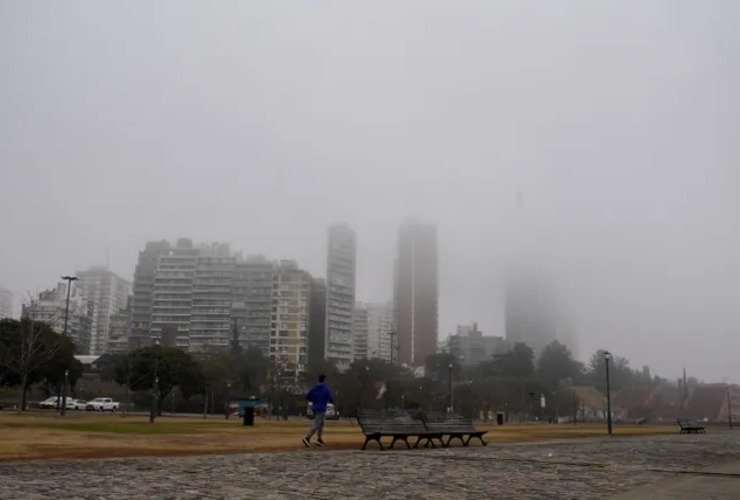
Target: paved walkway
x: 675, y: 465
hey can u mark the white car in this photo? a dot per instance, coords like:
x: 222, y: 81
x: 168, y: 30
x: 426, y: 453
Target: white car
x: 331, y: 412
x: 102, y: 404
x: 51, y: 403
x: 76, y: 404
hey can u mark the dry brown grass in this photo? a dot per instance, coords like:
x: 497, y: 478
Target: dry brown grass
x: 47, y: 436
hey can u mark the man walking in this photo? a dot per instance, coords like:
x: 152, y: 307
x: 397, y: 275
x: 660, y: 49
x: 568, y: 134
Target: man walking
x: 319, y: 396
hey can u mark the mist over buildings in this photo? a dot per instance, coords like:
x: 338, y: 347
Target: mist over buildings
x: 596, y: 144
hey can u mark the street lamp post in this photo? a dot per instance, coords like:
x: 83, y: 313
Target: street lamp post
x: 729, y: 407
x: 394, y: 347
x: 607, y: 358
x: 63, y: 409
x: 575, y: 407
x: 228, y: 400
x: 155, y: 387
x: 69, y: 280
x: 450, y: 383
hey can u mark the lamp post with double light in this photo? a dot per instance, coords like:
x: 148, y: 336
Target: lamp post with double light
x: 69, y: 280
x: 607, y: 358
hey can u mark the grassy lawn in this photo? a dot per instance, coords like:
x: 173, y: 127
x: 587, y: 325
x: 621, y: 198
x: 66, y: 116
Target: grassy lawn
x: 38, y: 435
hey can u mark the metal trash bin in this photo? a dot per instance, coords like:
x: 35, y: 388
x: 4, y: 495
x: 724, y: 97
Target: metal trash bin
x: 249, y: 416
x: 499, y: 418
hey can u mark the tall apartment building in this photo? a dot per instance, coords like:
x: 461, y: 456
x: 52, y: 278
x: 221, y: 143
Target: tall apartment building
x: 210, y: 313
x: 534, y: 314
x: 471, y: 347
x: 143, y: 288
x: 360, y: 329
x: 252, y: 301
x: 6, y: 303
x: 50, y: 307
x: 183, y: 294
x: 317, y: 323
x: 290, y: 318
x: 172, y: 292
x: 416, y: 293
x: 119, y: 333
x: 109, y: 292
x: 379, y: 325
x: 340, y: 294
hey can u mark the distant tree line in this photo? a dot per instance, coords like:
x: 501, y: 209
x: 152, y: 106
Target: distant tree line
x: 32, y: 353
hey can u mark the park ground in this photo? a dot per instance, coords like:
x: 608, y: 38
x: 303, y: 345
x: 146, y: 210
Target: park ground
x: 45, y: 435
x: 645, y: 467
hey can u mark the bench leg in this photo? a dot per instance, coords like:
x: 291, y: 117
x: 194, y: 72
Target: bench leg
x: 455, y: 436
x: 476, y: 436
x: 372, y: 437
x: 400, y: 437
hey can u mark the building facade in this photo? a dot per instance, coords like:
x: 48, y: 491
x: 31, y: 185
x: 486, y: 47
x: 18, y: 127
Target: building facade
x: 317, y: 323
x: 379, y: 327
x: 291, y: 294
x: 360, y: 329
x: 416, y: 293
x: 143, y: 289
x: 6, y: 303
x: 211, y: 306
x: 119, y: 334
x: 534, y: 313
x: 340, y: 294
x: 50, y: 307
x: 172, y: 292
x: 471, y: 347
x: 252, y: 301
x: 109, y: 292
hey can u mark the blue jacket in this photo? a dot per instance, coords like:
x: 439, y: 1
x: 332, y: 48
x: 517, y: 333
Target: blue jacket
x: 320, y: 395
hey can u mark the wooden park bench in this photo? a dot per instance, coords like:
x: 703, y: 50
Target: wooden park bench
x: 396, y: 424
x: 453, y: 426
x: 687, y: 427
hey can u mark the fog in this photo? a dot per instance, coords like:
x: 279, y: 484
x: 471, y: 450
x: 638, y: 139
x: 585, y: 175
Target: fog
x: 597, y: 139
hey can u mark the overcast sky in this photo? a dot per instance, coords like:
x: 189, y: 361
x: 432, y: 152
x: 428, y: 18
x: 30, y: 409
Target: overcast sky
x: 261, y: 123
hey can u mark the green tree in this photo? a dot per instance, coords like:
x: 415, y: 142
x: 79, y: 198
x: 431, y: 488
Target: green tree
x: 437, y: 366
x: 555, y: 364
x: 173, y: 368
x: 620, y: 374
x: 26, y: 348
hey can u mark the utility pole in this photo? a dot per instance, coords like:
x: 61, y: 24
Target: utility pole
x: 450, y: 383
x: 63, y: 405
x: 394, y: 347
x: 607, y: 358
x: 575, y: 407
x: 155, y: 386
x: 729, y: 407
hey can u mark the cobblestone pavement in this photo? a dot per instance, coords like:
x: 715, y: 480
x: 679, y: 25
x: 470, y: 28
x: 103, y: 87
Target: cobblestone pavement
x: 568, y: 469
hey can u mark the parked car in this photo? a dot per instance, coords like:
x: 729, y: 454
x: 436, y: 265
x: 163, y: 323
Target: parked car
x: 331, y: 412
x: 102, y: 404
x: 51, y: 403
x: 76, y: 404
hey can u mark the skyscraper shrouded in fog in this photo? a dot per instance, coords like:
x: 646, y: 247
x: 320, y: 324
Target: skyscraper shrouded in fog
x: 416, y: 293
x: 360, y: 331
x: 379, y: 323
x: 109, y: 292
x: 534, y: 312
x: 340, y: 294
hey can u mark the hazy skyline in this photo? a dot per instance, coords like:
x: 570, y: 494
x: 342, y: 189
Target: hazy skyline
x: 261, y: 124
